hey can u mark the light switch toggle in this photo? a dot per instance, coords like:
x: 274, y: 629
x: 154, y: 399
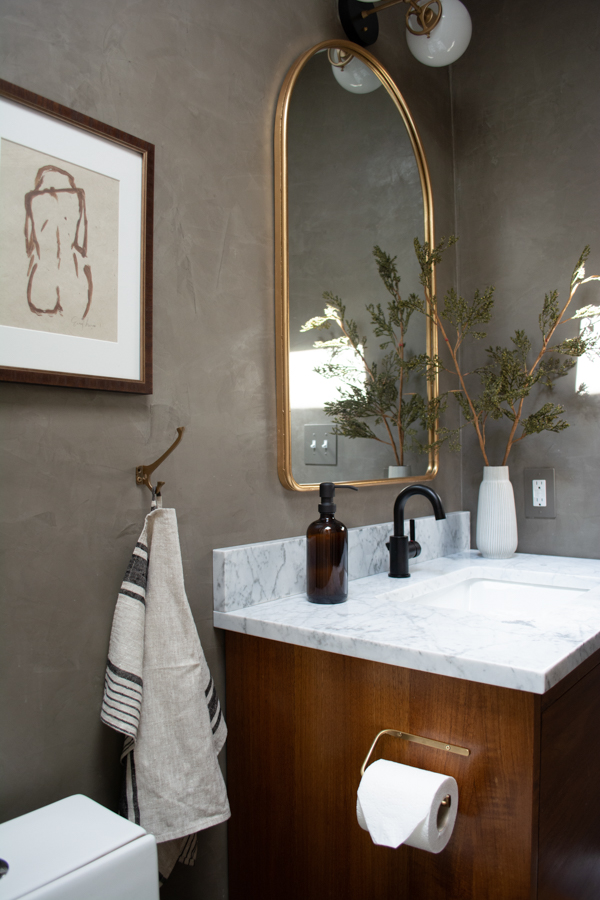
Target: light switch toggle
x: 320, y: 446
x: 539, y: 492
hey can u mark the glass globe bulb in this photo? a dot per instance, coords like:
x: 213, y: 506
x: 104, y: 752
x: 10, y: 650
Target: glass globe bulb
x: 356, y: 77
x: 448, y: 40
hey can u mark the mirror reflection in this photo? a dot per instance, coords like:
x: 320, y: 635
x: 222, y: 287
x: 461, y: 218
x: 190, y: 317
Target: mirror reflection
x: 358, y: 402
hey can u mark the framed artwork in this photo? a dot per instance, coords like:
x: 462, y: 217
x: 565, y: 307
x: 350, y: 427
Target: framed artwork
x: 76, y: 215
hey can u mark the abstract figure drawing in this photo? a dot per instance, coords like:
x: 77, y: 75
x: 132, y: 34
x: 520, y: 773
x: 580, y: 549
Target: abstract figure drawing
x: 56, y: 236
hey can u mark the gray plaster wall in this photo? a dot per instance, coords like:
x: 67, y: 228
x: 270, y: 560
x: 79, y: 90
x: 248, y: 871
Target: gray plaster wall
x: 199, y: 80
x: 354, y: 182
x: 527, y: 133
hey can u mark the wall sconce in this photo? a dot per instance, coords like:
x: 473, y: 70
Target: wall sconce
x: 436, y: 34
x: 351, y: 73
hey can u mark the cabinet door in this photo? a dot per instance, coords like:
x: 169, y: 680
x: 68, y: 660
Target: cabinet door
x: 300, y: 725
x: 569, y: 850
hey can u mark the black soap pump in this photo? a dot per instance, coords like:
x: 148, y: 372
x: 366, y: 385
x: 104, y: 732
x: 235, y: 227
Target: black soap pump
x: 327, y: 551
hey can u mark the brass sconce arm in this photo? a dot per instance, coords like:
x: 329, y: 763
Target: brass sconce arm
x: 424, y: 15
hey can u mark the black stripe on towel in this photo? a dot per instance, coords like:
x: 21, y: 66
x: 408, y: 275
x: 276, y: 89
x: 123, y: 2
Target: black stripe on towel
x: 136, y: 806
x: 189, y: 851
x: 128, y: 745
x: 217, y: 723
x: 123, y: 806
x: 141, y: 547
x: 118, y: 714
x: 131, y: 594
x: 213, y: 704
x: 124, y: 728
x: 137, y: 571
x: 134, y: 693
x: 110, y: 691
x: 129, y: 676
x: 210, y: 685
x: 134, y: 715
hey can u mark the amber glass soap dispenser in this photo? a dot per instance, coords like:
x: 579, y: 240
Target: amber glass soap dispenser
x: 327, y: 551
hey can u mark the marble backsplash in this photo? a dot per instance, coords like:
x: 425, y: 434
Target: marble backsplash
x: 255, y: 573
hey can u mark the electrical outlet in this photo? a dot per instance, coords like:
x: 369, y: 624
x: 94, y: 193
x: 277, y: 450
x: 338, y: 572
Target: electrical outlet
x: 540, y: 497
x: 320, y: 446
x: 539, y: 492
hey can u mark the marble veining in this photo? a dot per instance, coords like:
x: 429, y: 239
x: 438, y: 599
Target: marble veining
x: 257, y: 573
x: 528, y: 652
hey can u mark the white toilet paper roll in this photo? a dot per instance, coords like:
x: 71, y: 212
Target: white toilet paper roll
x: 400, y: 804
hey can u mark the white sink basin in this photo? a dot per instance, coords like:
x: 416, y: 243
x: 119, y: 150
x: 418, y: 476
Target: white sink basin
x: 482, y: 595
x: 499, y: 594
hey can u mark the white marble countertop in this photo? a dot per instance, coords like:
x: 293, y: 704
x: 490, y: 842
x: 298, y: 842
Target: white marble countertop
x: 528, y: 651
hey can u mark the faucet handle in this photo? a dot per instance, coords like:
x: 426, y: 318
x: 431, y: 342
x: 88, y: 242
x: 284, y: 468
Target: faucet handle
x: 414, y: 548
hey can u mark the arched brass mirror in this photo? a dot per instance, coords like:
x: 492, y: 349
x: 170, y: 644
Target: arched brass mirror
x: 352, y: 191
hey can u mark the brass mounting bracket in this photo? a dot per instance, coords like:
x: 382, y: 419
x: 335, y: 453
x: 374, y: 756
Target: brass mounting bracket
x: 416, y: 739
x: 426, y: 18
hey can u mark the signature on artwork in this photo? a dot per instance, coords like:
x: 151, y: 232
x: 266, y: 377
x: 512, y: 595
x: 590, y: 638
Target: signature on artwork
x: 80, y: 323
x: 56, y: 233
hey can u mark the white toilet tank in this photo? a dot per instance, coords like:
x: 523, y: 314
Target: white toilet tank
x: 77, y: 850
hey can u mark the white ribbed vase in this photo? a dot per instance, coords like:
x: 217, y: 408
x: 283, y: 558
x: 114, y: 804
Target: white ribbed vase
x: 496, y: 515
x: 399, y: 472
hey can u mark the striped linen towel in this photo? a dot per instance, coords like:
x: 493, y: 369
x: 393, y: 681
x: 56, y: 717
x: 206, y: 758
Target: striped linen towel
x: 159, y: 693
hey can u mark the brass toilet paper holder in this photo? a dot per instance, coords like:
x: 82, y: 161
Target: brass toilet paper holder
x: 417, y: 739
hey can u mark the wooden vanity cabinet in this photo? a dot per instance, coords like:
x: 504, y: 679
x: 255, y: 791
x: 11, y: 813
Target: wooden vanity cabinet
x: 301, y: 722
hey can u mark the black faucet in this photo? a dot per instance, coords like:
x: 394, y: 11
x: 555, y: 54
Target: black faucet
x: 402, y: 548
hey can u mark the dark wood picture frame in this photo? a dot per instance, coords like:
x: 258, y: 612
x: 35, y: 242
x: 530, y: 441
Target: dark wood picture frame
x: 143, y: 384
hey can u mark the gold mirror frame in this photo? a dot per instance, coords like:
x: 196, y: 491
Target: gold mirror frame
x: 282, y: 347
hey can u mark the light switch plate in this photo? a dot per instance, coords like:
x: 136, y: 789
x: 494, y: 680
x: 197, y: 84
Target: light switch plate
x: 320, y: 446
x: 533, y: 511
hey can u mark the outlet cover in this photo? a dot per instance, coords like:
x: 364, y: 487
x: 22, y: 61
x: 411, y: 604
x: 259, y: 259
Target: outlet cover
x: 539, y: 512
x: 320, y: 446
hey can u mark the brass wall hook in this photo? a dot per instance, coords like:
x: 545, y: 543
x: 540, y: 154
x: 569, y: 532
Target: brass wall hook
x: 143, y: 473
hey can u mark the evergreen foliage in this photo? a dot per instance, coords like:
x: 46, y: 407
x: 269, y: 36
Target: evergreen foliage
x: 496, y: 390
x: 510, y: 374
x: 379, y: 395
